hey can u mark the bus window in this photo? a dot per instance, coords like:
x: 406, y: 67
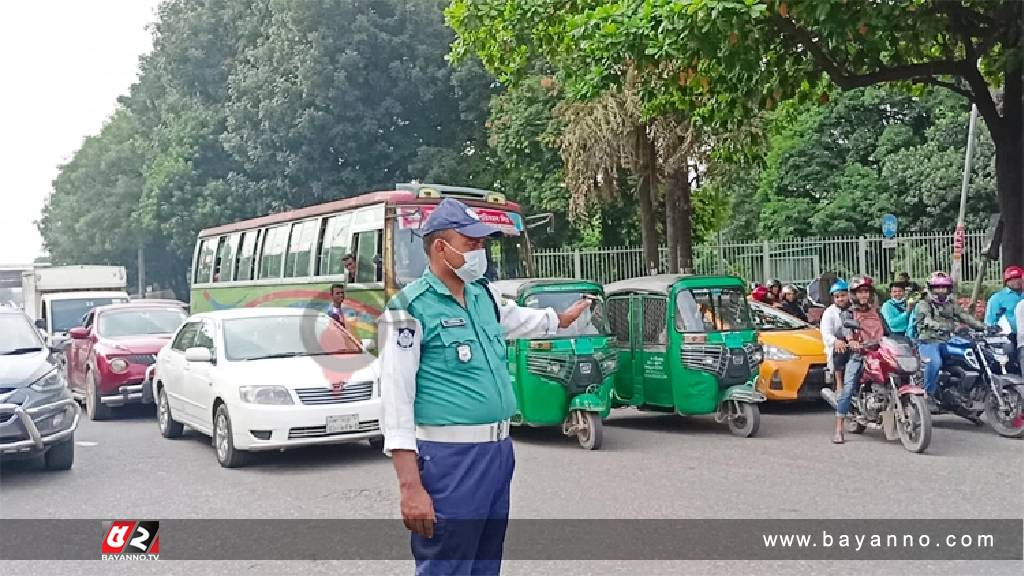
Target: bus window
x: 274, y: 241
x: 369, y: 264
x: 243, y: 265
x: 204, y: 262
x: 222, y: 271
x: 334, y: 244
x: 296, y: 263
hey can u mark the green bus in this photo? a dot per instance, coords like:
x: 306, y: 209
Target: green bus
x: 370, y: 243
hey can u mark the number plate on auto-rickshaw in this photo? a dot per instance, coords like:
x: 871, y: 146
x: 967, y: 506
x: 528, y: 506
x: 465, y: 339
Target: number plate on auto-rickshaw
x: 585, y: 368
x: 344, y: 423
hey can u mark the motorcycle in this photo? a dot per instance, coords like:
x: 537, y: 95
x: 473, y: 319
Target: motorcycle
x: 890, y: 395
x: 976, y: 380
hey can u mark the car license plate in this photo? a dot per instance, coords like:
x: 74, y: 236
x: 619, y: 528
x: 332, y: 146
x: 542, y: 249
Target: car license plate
x: 584, y: 368
x: 346, y: 423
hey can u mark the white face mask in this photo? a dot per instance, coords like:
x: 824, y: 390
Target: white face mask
x: 474, y: 265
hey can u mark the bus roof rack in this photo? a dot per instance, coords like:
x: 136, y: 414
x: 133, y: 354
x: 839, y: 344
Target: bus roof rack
x: 438, y: 190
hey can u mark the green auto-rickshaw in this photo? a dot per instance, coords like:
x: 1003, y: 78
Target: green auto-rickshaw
x: 686, y: 344
x: 563, y: 380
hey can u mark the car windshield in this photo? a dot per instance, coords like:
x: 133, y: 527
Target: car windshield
x: 312, y: 334
x: 17, y: 334
x: 768, y: 319
x: 592, y: 322
x: 506, y: 256
x: 66, y: 314
x: 713, y: 310
x: 119, y: 323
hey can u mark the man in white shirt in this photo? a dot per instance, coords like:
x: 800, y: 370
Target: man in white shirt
x: 832, y: 331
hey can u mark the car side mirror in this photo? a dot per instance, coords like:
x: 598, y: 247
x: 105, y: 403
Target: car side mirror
x: 198, y: 355
x: 851, y: 324
x: 40, y: 323
x: 78, y: 333
x: 369, y: 344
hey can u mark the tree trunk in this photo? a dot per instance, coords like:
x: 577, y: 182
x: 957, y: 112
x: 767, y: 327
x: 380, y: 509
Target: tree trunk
x: 685, y: 211
x: 672, y: 222
x: 648, y: 189
x: 1008, y: 178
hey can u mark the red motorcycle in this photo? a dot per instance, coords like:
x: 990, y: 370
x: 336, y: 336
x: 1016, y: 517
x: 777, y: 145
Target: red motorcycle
x: 890, y: 395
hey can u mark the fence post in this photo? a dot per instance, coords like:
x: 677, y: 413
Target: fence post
x: 577, y: 263
x: 863, y: 256
x: 766, y: 260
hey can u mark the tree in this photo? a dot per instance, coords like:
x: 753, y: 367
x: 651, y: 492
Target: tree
x: 722, y: 61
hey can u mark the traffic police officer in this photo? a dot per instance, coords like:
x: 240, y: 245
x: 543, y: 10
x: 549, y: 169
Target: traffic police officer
x: 448, y: 398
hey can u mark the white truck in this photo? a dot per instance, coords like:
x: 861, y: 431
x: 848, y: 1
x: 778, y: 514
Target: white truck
x: 58, y: 297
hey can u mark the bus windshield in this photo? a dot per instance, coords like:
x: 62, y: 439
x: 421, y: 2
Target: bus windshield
x: 506, y: 256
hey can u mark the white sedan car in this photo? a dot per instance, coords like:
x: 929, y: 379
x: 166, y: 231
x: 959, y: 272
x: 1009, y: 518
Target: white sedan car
x: 267, y: 379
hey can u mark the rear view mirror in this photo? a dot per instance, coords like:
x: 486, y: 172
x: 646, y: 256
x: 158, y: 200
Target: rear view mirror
x: 41, y: 324
x: 78, y: 333
x: 851, y: 324
x: 198, y: 355
x: 369, y: 344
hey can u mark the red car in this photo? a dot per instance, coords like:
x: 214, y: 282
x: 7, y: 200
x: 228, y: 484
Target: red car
x: 111, y: 352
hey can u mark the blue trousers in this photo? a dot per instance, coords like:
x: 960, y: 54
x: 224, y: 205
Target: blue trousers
x: 851, y: 378
x: 933, y: 353
x: 469, y: 485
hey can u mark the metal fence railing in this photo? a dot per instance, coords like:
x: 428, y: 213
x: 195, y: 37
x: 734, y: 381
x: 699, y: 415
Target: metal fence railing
x: 797, y: 260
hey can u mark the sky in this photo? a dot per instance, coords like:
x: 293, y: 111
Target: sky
x: 63, y: 65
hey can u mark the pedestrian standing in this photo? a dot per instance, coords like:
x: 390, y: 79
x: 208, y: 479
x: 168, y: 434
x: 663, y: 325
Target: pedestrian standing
x: 448, y: 398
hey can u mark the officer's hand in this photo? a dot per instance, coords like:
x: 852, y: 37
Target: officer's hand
x: 418, y: 511
x: 573, y: 312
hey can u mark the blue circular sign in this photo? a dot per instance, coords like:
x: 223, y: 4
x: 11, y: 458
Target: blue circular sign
x: 889, y: 226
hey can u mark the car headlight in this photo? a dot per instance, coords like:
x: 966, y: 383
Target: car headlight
x: 53, y: 380
x: 265, y: 395
x: 776, y: 353
x: 118, y: 365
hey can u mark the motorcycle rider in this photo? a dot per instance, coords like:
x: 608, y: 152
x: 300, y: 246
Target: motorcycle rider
x: 832, y: 333
x: 790, y: 305
x: 1003, y: 303
x: 897, y: 310
x: 935, y: 320
x: 870, y: 332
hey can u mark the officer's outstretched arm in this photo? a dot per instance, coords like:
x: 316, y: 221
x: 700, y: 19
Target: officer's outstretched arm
x: 520, y: 322
x: 399, y: 335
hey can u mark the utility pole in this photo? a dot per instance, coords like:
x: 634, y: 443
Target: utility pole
x: 142, y: 272
x: 958, y: 239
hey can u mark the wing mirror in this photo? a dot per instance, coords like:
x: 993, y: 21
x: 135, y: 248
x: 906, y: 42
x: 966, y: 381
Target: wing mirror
x: 851, y: 324
x: 198, y: 355
x: 40, y: 323
x: 78, y: 333
x: 369, y: 344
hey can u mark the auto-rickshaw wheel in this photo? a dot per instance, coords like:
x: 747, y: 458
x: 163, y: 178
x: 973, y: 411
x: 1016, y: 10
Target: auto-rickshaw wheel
x: 589, y: 430
x: 745, y: 419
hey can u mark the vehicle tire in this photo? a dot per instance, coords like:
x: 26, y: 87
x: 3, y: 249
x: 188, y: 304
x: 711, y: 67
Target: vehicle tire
x: 169, y: 427
x: 746, y: 423
x: 60, y: 456
x: 377, y: 443
x: 1010, y: 425
x: 916, y: 409
x: 93, y: 406
x: 223, y: 442
x: 854, y: 427
x: 591, y: 433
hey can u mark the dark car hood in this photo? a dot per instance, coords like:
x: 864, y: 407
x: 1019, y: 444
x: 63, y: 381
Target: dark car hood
x: 23, y: 369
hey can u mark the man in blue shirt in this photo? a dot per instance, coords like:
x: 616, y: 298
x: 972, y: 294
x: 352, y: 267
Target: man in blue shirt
x: 337, y: 299
x: 1003, y: 303
x: 897, y: 311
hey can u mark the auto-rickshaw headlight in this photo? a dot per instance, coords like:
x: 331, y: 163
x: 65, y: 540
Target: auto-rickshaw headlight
x: 609, y: 362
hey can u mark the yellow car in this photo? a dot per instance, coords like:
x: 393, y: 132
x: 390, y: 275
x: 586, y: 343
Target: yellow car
x: 794, y: 357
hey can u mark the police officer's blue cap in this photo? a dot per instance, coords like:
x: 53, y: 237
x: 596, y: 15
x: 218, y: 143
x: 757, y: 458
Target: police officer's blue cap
x: 451, y: 214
